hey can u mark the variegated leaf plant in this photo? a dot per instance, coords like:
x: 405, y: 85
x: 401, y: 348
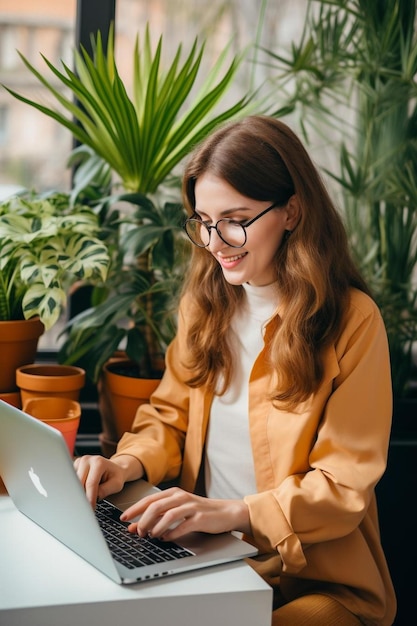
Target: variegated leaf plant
x: 46, y: 245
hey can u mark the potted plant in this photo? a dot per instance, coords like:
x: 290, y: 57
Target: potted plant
x: 47, y: 244
x: 135, y: 309
x: 350, y: 81
x: 142, y: 138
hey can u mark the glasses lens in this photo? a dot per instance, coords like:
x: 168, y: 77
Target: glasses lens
x: 232, y: 233
x: 197, y: 232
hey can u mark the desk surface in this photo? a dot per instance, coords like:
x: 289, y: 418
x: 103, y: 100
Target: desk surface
x: 43, y: 583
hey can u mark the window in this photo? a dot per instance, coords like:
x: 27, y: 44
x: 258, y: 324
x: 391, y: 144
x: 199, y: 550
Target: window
x: 3, y: 124
x: 34, y: 153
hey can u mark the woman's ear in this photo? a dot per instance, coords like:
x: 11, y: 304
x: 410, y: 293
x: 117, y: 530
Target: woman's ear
x: 293, y: 213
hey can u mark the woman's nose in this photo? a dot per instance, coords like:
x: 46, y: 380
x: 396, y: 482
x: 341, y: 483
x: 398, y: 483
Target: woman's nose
x: 216, y: 242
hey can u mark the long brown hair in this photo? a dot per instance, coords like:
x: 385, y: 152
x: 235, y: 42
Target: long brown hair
x: 264, y: 160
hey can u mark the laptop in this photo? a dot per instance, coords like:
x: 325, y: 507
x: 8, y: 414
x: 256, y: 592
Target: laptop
x: 39, y: 475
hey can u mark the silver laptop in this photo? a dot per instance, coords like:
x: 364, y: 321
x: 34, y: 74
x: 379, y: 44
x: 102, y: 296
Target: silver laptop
x: 38, y: 472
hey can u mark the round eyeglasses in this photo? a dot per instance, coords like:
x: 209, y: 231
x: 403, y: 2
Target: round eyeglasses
x: 231, y: 232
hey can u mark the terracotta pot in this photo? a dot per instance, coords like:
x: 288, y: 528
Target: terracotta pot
x: 13, y: 398
x: 41, y: 380
x: 18, y: 346
x: 121, y: 392
x: 60, y: 413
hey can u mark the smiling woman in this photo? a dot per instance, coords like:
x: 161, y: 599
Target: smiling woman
x: 253, y: 414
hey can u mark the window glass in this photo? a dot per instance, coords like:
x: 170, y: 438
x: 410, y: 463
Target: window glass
x: 34, y: 148
x: 218, y: 23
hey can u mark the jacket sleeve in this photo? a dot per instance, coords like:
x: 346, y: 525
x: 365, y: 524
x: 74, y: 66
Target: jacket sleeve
x: 159, y: 428
x: 346, y: 458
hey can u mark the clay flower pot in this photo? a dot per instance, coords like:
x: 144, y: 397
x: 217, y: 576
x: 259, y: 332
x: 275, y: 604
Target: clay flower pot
x: 18, y: 345
x: 60, y: 413
x: 43, y: 380
x: 121, y: 392
x: 12, y: 397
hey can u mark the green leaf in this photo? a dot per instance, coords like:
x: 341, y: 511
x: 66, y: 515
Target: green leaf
x: 144, y: 137
x: 47, y: 304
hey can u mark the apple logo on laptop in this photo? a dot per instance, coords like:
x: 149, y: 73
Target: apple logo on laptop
x: 37, y: 482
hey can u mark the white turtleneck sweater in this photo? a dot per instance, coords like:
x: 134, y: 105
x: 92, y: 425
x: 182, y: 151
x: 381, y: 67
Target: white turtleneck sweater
x: 229, y: 470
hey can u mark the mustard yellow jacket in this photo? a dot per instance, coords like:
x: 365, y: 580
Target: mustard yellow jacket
x: 314, y: 518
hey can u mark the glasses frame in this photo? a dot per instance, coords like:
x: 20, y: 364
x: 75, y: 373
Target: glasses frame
x: 225, y: 219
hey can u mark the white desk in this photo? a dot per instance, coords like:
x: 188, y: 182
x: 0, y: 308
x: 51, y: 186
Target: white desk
x: 42, y: 583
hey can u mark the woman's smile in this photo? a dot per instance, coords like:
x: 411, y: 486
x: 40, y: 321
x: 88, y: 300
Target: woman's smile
x: 229, y: 262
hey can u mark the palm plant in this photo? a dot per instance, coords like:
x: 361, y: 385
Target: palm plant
x: 350, y: 82
x: 145, y: 136
x: 140, y: 139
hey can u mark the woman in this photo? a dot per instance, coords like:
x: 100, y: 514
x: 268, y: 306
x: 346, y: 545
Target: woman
x: 275, y: 405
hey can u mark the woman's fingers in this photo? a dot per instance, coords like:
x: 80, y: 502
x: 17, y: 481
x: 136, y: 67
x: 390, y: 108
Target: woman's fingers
x: 174, y: 512
x: 99, y: 477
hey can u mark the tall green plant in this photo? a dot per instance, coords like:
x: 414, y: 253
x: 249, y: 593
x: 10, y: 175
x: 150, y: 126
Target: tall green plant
x: 143, y: 136
x: 350, y: 82
x: 140, y: 138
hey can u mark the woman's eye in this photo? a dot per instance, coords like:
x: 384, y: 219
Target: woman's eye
x: 241, y: 222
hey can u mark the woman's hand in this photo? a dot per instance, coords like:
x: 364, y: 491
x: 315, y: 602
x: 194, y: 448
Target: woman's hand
x: 100, y: 476
x: 174, y: 512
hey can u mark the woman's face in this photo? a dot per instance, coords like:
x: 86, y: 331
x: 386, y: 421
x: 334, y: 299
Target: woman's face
x: 215, y: 199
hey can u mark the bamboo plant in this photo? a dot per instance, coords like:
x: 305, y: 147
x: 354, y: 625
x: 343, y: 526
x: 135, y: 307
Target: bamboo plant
x: 349, y: 82
x: 141, y: 138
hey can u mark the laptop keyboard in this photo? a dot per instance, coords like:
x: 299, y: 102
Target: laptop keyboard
x: 131, y: 550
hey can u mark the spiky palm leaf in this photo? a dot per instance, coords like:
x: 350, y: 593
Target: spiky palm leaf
x: 144, y: 136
